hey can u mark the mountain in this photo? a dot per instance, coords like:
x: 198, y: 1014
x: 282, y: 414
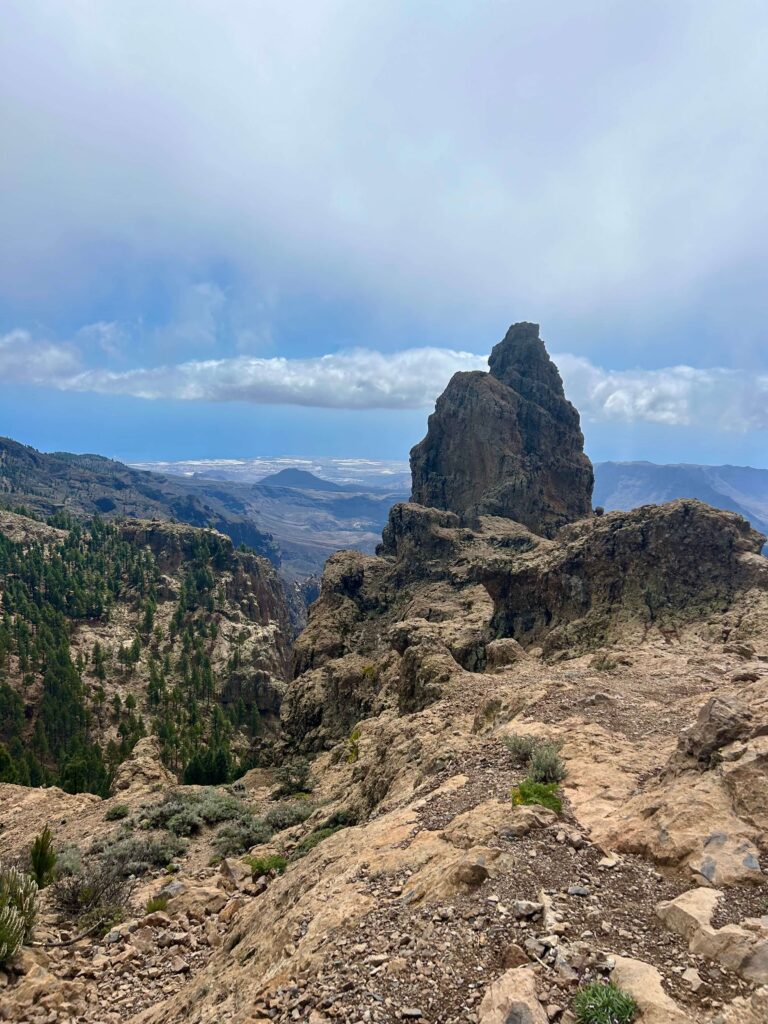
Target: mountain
x: 301, y: 479
x: 87, y: 485
x: 296, y: 520
x: 626, y: 485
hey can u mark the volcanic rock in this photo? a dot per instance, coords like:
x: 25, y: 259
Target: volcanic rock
x: 506, y: 443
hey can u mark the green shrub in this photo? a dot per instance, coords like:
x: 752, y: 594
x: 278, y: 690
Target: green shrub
x: 155, y: 903
x: 286, y: 815
x: 42, y: 858
x: 545, y: 763
x: 117, y: 812
x: 11, y: 934
x: 293, y: 777
x: 216, y: 807
x: 520, y: 747
x: 313, y: 839
x: 68, y: 861
x: 543, y: 793
x: 603, y: 1003
x: 353, y: 745
x: 185, y: 822
x: 185, y: 812
x: 240, y: 835
x: 134, y: 855
x: 18, y: 910
x: 264, y: 865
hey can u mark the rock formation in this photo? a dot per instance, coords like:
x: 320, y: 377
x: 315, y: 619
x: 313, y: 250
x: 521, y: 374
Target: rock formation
x: 507, y: 442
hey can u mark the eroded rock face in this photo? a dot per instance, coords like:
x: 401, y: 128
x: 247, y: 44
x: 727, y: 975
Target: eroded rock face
x: 506, y: 443
x: 655, y: 562
x: 143, y: 769
x: 444, y: 599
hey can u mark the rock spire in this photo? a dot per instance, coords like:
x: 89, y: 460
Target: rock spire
x: 507, y: 442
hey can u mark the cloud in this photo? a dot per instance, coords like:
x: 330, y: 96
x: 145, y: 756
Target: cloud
x: 359, y: 379
x: 354, y: 379
x: 676, y: 396
x: 579, y: 159
x: 25, y: 359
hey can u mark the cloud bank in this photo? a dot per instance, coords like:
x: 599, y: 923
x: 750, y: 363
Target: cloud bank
x: 580, y: 159
x: 358, y: 379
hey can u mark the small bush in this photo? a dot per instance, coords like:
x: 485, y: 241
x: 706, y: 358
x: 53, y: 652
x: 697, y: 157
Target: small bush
x: 265, y: 865
x: 155, y: 903
x: 287, y: 815
x: 603, y: 662
x: 11, y: 934
x: 313, y: 839
x: 18, y: 910
x: 543, y: 793
x: 353, y: 746
x: 216, y: 807
x: 134, y: 855
x: 185, y: 822
x: 68, y: 861
x: 184, y: 813
x: 520, y: 747
x: 603, y: 1003
x: 240, y: 835
x: 42, y: 858
x: 117, y: 812
x: 545, y: 764
x: 293, y: 777
x: 98, y: 893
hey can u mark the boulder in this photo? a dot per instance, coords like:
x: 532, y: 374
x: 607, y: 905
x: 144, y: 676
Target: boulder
x: 643, y: 983
x: 197, y: 901
x: 721, y: 721
x: 512, y: 999
x: 143, y: 769
x: 740, y: 949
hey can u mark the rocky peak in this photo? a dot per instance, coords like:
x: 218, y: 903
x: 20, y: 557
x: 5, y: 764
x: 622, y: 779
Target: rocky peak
x: 521, y: 361
x: 507, y: 442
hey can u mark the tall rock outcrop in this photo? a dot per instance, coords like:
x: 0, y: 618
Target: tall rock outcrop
x: 506, y: 443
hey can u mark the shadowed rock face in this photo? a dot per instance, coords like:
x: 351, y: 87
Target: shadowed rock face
x: 506, y: 443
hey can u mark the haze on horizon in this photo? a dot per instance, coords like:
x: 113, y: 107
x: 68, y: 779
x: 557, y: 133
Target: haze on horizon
x: 247, y: 232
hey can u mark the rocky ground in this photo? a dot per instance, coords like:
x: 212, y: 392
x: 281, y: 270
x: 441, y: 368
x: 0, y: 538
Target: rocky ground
x: 415, y: 913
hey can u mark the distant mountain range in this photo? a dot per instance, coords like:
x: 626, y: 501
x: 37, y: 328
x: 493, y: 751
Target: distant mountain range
x: 297, y: 518
x: 625, y: 485
x: 292, y: 517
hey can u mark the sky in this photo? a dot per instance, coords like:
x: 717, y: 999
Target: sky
x: 254, y: 228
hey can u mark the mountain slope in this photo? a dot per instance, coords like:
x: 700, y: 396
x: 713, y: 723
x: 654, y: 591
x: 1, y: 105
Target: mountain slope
x: 627, y: 485
x: 115, y: 631
x: 87, y: 485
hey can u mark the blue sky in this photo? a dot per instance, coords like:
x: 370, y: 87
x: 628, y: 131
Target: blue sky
x: 278, y: 229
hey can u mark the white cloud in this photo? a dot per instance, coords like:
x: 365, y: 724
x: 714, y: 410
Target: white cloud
x: 571, y: 158
x: 28, y: 360
x: 355, y: 379
x: 678, y: 396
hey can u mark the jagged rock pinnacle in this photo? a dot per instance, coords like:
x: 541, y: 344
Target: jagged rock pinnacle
x: 506, y: 442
